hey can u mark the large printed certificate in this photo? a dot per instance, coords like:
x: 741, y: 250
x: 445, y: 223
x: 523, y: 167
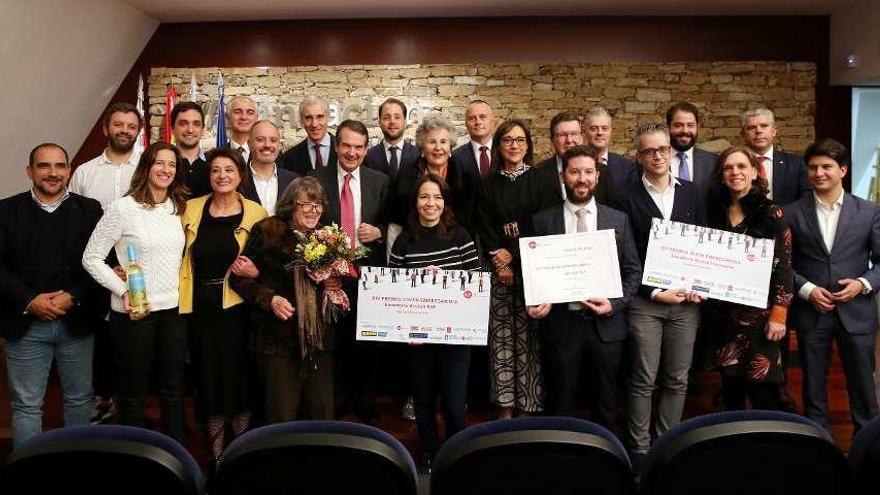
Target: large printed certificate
x: 715, y: 263
x: 423, y: 306
x: 570, y: 267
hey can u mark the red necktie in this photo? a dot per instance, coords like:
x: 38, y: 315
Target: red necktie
x: 484, y: 161
x: 762, y: 172
x: 319, y: 160
x: 347, y: 210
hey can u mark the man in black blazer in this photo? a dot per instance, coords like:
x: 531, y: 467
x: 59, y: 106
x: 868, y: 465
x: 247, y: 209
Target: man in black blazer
x: 318, y: 149
x: 476, y: 154
x: 392, y: 153
x: 356, y: 199
x: 835, y: 256
x: 689, y: 162
x: 265, y: 182
x: 49, y: 306
x: 585, y: 333
x: 785, y: 172
x: 598, y: 130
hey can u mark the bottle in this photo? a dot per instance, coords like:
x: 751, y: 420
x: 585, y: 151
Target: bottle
x: 137, y: 286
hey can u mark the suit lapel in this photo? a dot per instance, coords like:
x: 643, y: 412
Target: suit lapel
x: 778, y: 166
x: 812, y: 220
x: 649, y: 202
x: 331, y: 184
x: 557, y: 222
x: 847, y: 213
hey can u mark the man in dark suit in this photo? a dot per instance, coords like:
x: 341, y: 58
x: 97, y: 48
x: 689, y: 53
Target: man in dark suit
x: 241, y: 113
x: 392, y: 153
x: 318, y: 149
x: 585, y: 333
x: 476, y: 154
x: 566, y: 133
x: 785, y: 172
x: 598, y: 130
x: 689, y: 162
x: 356, y: 197
x: 49, y: 306
x: 265, y: 181
x: 835, y: 256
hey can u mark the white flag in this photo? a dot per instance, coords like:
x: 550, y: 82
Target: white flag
x: 193, y: 87
x: 142, y: 141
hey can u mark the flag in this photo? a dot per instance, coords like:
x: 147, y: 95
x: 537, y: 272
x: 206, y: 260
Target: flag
x: 193, y: 87
x: 221, y: 115
x: 143, y: 140
x: 170, y: 101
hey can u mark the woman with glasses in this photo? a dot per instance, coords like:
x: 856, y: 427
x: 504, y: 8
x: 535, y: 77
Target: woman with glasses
x: 290, y: 337
x: 511, y: 194
x: 217, y: 226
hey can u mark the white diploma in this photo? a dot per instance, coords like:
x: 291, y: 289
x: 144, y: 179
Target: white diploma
x: 713, y: 263
x: 423, y: 306
x: 570, y: 267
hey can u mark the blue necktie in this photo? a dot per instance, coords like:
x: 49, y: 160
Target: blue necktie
x: 683, y: 172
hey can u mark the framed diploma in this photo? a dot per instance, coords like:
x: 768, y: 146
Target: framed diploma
x: 570, y: 267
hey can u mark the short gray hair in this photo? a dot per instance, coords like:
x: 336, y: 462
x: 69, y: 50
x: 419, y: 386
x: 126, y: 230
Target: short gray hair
x: 652, y: 128
x: 758, y: 112
x: 313, y: 100
x: 431, y: 123
x: 597, y: 112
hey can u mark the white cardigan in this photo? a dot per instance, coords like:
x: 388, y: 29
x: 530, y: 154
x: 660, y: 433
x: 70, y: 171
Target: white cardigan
x: 158, y: 236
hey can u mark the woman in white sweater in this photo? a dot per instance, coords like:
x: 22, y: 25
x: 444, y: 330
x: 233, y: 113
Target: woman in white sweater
x: 147, y: 217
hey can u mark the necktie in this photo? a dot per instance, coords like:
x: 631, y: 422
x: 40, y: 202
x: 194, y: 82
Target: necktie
x: 762, y: 172
x: 241, y: 150
x: 319, y: 160
x: 484, y: 161
x: 582, y: 219
x: 604, y: 160
x: 683, y: 172
x: 346, y: 202
x: 392, y: 163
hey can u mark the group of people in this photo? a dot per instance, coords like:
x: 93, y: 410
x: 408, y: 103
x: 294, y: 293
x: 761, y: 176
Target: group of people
x: 216, y: 235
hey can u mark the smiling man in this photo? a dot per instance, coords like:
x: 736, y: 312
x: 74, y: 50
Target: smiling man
x: 266, y: 181
x: 188, y: 126
x: 393, y: 153
x: 785, y: 172
x: 317, y: 150
x: 480, y: 122
x: 689, y: 162
x: 241, y: 113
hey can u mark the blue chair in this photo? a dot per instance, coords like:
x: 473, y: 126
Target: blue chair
x: 534, y: 455
x: 77, y: 459
x: 864, y: 458
x: 740, y: 452
x: 315, y: 457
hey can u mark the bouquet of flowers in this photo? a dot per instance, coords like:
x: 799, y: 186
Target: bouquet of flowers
x: 325, y: 253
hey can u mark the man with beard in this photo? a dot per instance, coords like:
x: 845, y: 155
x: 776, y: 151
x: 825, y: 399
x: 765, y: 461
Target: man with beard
x: 265, y: 182
x: 317, y: 150
x: 187, y: 126
x: 663, y: 323
x: 598, y: 131
x: 108, y: 176
x: 392, y: 154
x: 586, y: 333
x: 688, y: 161
x: 241, y: 112
x: 480, y: 121
x: 49, y: 305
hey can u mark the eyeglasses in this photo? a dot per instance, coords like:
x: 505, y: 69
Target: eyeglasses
x: 508, y: 141
x: 650, y: 152
x: 310, y: 207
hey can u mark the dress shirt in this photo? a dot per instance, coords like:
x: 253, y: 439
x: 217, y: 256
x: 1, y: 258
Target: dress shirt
x: 267, y: 189
x: 676, y: 162
x: 51, y: 207
x: 103, y: 180
x: 569, y: 210
x: 246, y: 152
x: 828, y: 216
x: 325, y: 150
x: 355, y: 186
x: 475, y: 147
x: 387, y: 146
x: 663, y: 199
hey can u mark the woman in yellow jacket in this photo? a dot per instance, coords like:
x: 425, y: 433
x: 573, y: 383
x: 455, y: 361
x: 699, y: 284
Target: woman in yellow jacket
x: 217, y: 226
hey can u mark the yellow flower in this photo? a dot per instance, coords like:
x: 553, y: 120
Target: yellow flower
x: 314, y: 252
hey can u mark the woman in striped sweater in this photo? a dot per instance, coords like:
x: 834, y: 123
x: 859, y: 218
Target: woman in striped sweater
x: 433, y: 240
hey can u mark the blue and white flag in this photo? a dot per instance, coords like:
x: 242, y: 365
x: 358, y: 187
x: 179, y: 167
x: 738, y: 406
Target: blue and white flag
x: 221, y: 115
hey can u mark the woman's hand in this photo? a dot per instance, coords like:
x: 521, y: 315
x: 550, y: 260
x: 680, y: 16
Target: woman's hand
x: 282, y: 308
x: 333, y: 283
x: 538, y: 311
x: 120, y: 272
x: 774, y: 331
x: 245, y: 268
x: 501, y: 257
x: 505, y: 274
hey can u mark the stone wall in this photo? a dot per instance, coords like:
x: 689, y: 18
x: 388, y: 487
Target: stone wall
x: 634, y: 92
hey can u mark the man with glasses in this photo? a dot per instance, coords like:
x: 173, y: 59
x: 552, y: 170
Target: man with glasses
x: 663, y: 323
x: 597, y: 132
x: 265, y: 181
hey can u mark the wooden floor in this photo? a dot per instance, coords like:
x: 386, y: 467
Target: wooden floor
x: 478, y: 411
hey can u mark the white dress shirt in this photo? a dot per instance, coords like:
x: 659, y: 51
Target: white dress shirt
x: 355, y: 186
x: 663, y: 199
x: 325, y: 149
x: 267, y: 189
x: 245, y: 149
x: 387, y: 146
x: 569, y: 213
x: 103, y: 180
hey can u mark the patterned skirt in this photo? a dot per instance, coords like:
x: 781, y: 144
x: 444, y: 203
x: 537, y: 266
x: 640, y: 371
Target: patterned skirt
x: 514, y: 353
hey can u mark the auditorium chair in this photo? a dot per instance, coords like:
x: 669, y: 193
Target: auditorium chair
x: 122, y: 459
x: 864, y: 458
x: 315, y: 457
x: 741, y: 452
x: 534, y: 456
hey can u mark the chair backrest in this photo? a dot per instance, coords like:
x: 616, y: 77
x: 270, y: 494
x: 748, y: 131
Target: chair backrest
x: 315, y: 457
x: 864, y: 458
x: 546, y: 455
x: 79, y: 458
x: 745, y: 451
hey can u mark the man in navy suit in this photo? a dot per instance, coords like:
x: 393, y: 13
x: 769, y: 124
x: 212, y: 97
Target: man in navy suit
x: 835, y: 256
x: 265, y: 181
x: 480, y: 122
x: 317, y: 150
x: 687, y: 161
x: 587, y: 333
x: 597, y: 132
x: 392, y: 153
x: 785, y: 172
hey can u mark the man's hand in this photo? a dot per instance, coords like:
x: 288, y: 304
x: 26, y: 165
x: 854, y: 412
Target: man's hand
x: 538, y: 311
x: 367, y: 233
x: 822, y: 299
x: 598, y: 305
x: 671, y: 296
x: 63, y: 301
x: 851, y: 288
x: 43, y: 308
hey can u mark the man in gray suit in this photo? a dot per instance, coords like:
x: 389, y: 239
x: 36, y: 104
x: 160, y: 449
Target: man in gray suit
x: 835, y: 256
x: 688, y: 161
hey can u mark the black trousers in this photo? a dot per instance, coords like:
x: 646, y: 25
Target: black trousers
x: 573, y: 352
x: 439, y: 368
x: 764, y: 395
x: 161, y: 337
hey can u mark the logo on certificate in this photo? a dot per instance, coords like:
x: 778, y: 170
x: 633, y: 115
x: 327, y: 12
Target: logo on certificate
x: 468, y: 294
x: 533, y: 244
